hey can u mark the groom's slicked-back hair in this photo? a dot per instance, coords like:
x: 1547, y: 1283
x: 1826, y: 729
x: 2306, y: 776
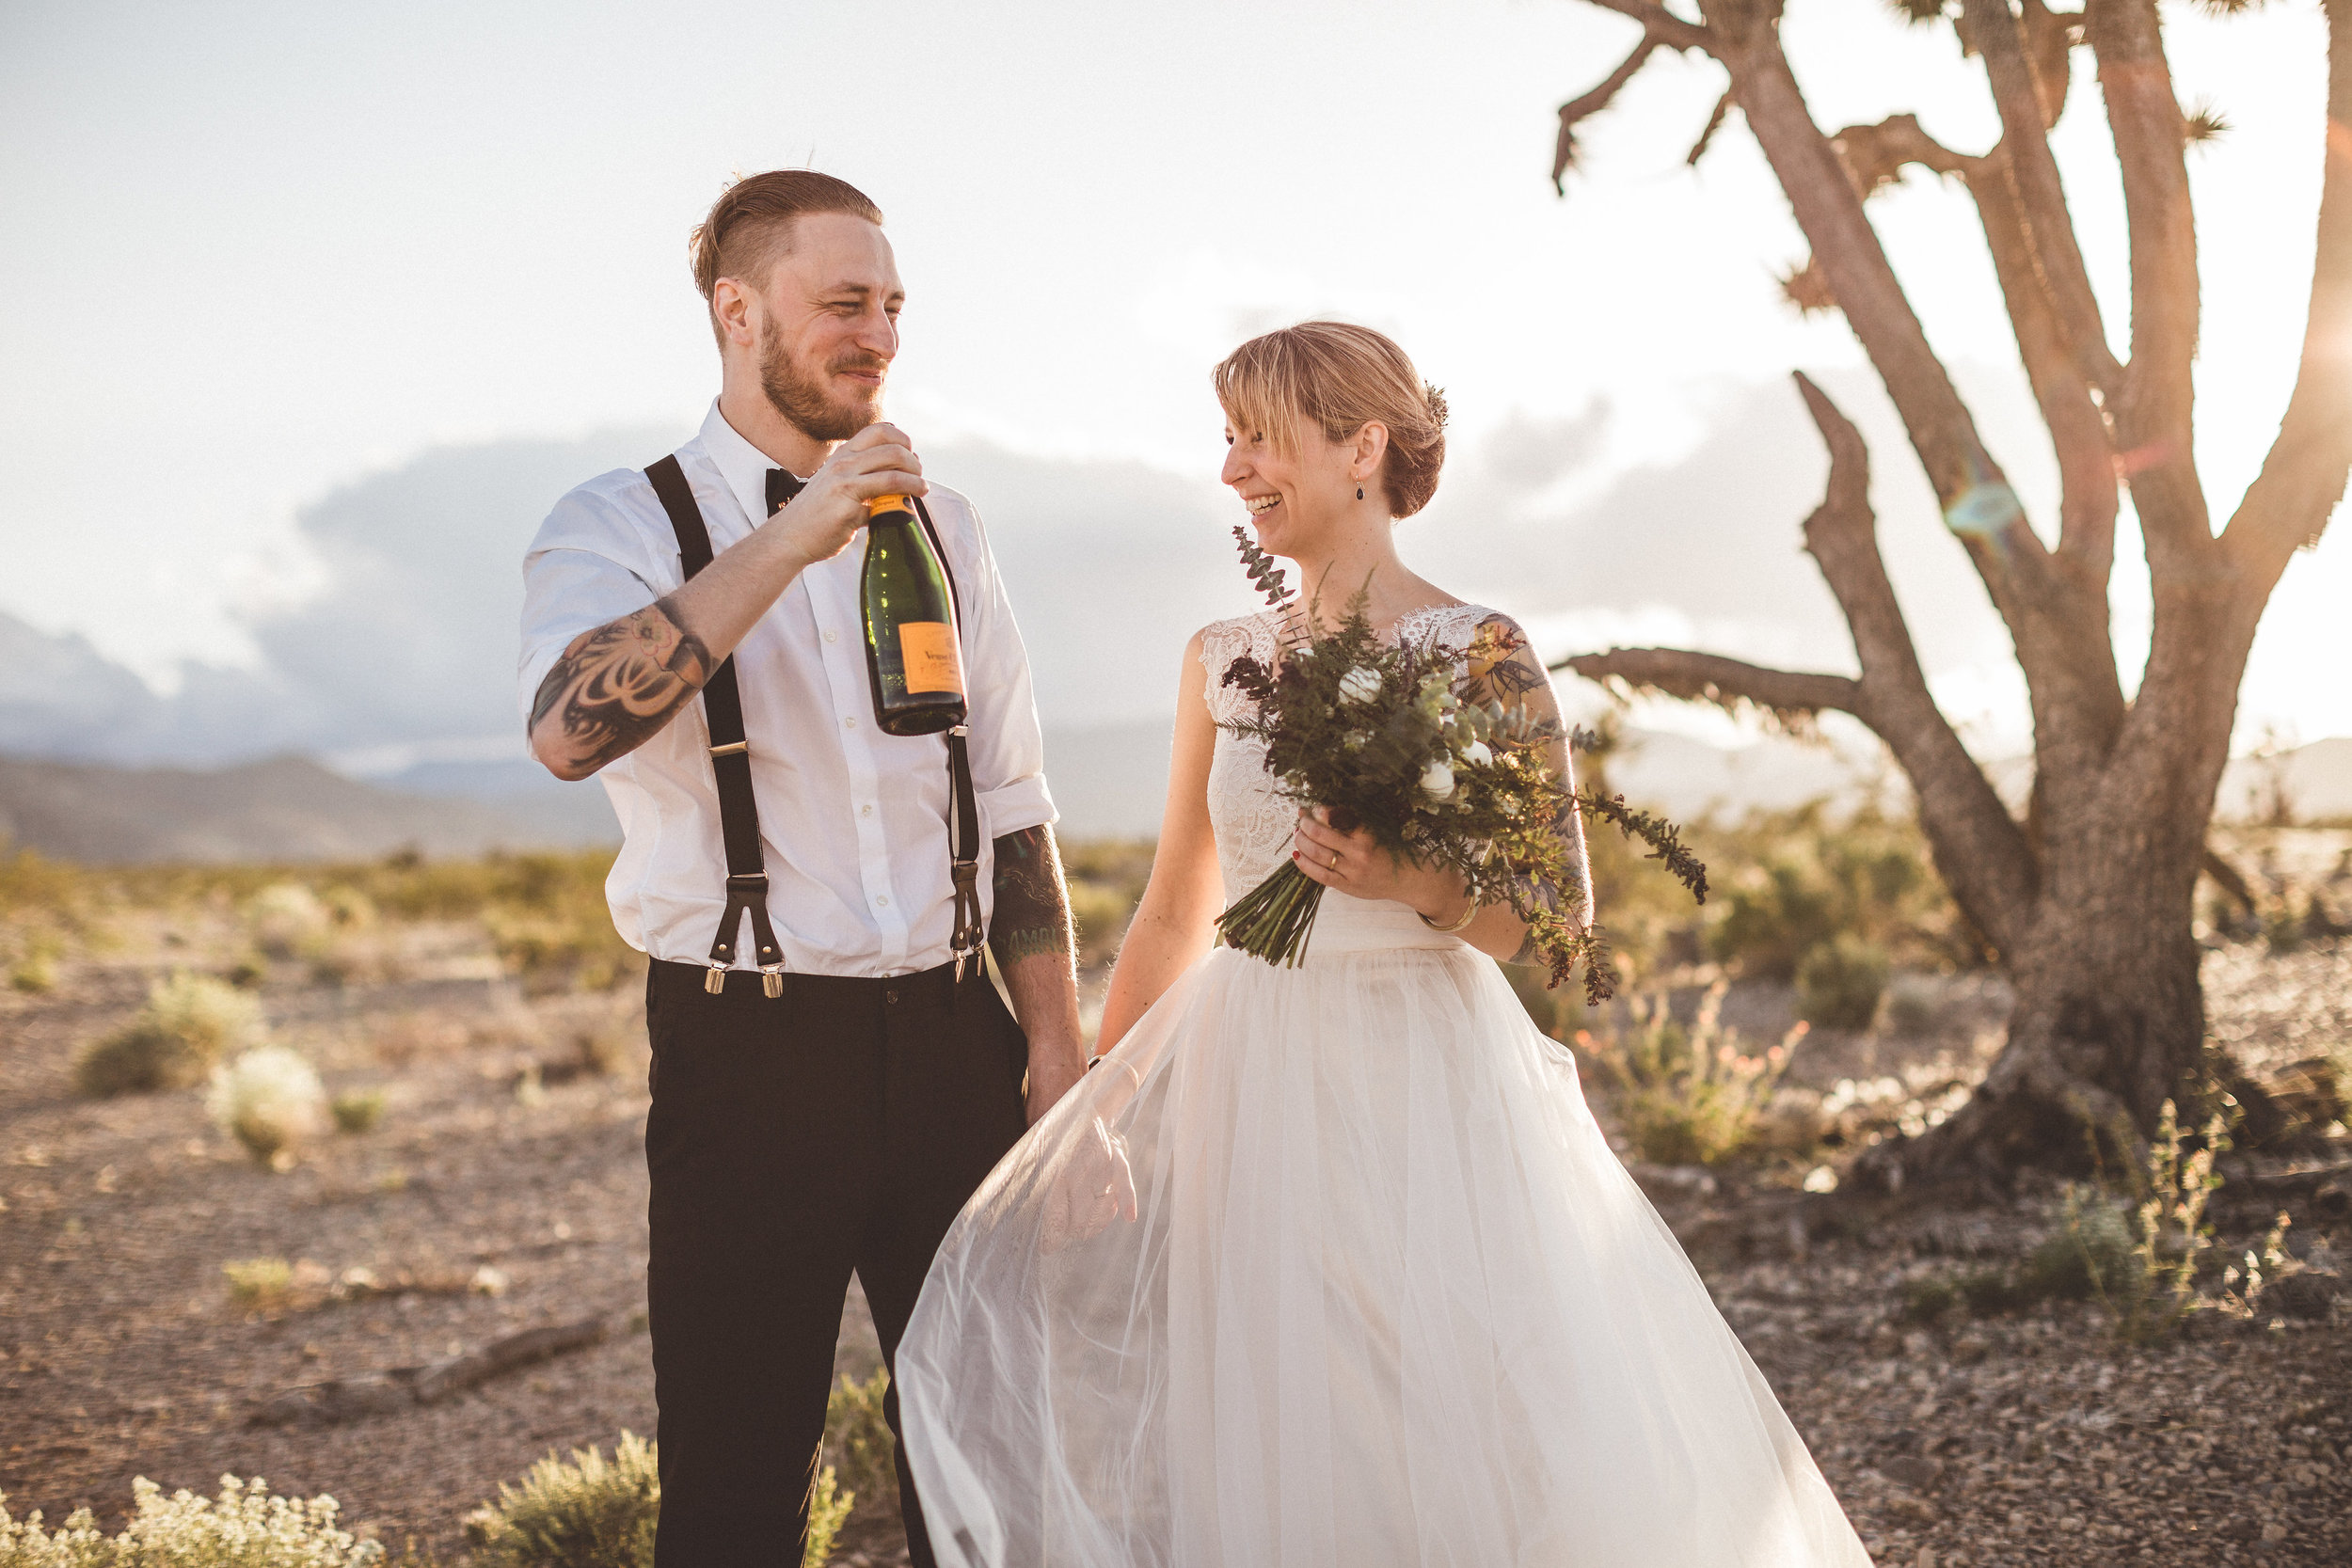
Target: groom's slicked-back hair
x: 751, y: 223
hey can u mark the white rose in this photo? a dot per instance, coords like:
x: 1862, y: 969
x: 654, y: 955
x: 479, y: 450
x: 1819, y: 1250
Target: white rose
x: 1476, y: 754
x: 1437, y: 780
x: 1360, y: 685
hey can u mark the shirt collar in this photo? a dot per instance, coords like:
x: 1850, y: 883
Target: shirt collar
x: 743, y: 465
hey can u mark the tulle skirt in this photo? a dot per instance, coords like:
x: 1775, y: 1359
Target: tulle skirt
x: 1381, y: 1294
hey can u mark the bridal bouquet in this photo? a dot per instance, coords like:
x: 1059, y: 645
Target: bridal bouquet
x: 1392, y: 738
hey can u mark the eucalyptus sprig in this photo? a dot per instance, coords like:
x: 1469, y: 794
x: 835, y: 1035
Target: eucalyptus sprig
x: 1264, y: 575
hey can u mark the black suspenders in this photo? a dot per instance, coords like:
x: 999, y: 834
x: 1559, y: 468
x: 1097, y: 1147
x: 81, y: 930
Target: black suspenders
x: 731, y: 766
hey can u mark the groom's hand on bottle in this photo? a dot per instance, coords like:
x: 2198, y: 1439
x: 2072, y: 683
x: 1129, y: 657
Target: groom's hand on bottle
x: 818, y: 523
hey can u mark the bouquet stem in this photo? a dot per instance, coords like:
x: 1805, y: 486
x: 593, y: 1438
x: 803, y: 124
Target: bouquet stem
x: 1273, y: 920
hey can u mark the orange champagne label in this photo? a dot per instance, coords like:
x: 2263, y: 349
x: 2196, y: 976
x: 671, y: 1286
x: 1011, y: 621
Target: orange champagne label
x: 927, y: 649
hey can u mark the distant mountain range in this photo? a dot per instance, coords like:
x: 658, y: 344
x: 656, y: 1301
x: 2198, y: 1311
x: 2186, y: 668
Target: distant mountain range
x: 1109, y: 781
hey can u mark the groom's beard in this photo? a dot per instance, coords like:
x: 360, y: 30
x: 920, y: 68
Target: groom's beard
x: 804, y: 400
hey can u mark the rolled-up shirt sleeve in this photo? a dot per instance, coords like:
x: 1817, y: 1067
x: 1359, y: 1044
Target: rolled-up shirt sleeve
x: 1007, y: 747
x: 579, y: 572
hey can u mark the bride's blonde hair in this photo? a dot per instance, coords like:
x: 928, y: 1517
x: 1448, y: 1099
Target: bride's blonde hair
x: 1340, y: 377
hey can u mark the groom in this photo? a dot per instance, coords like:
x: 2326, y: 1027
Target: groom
x: 831, y: 1078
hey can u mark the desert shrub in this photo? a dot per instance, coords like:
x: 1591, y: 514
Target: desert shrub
x: 358, y: 1110
x: 858, y: 1444
x: 244, y: 1527
x: 287, y: 919
x: 596, y: 1512
x: 1795, y: 883
x: 1107, y: 881
x: 589, y: 1513
x: 189, y: 1023
x: 36, y: 969
x: 1839, y: 982
x: 2145, y: 1276
x: 258, y: 1283
x: 269, y: 1099
x: 1686, y: 1095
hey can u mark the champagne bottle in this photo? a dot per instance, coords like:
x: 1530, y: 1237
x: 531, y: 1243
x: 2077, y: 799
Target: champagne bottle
x: 910, y: 649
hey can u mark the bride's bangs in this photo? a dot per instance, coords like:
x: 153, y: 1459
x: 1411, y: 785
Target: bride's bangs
x: 1262, y: 388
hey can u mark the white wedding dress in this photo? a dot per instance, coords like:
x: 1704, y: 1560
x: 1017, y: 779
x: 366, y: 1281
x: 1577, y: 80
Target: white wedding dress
x: 1388, y: 1297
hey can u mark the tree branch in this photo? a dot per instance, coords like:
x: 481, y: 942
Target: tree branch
x: 2153, y: 412
x: 1999, y: 39
x: 2302, y: 479
x: 1728, y: 683
x: 1661, y: 25
x: 1577, y: 110
x: 1979, y: 847
x: 1977, y: 501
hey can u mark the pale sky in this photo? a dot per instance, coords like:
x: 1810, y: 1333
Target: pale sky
x: 252, y: 253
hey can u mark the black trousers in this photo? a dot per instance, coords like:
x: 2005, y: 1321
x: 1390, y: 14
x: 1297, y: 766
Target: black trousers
x: 792, y: 1140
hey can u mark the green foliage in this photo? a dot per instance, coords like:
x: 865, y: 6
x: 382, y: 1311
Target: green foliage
x: 596, y: 1512
x: 189, y: 1023
x: 1835, y: 907
x: 592, y: 1513
x: 1687, y: 1094
x: 244, y: 1527
x: 1107, y: 881
x: 258, y: 1283
x: 858, y: 1443
x: 2139, y: 1261
x: 1395, y: 741
x: 1839, y: 982
x: 358, y: 1110
x: 2147, y: 1278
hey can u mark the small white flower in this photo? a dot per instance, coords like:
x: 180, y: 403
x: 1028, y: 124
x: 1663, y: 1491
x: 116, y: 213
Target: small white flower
x: 1360, y: 685
x: 1476, y: 754
x: 1437, y: 780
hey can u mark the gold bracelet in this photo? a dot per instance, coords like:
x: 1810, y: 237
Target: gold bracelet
x: 1468, y: 915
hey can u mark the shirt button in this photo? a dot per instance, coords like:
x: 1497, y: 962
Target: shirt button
x: 830, y: 637
x: 865, y: 810
x: 850, y: 723
x: 882, y: 900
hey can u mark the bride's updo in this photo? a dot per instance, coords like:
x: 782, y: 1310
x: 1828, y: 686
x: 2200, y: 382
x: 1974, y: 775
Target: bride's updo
x: 1340, y: 377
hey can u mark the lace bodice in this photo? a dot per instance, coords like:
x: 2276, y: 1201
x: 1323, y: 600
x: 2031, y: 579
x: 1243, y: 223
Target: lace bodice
x: 1252, y: 818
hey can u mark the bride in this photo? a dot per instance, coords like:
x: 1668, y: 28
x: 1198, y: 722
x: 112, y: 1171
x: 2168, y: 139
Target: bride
x: 1330, y: 1267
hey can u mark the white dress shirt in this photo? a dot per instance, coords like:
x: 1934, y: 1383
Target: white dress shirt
x: 852, y: 822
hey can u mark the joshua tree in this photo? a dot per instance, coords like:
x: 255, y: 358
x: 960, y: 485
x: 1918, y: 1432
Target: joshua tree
x: 2087, y: 900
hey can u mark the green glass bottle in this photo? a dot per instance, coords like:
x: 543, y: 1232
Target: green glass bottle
x: 911, y: 654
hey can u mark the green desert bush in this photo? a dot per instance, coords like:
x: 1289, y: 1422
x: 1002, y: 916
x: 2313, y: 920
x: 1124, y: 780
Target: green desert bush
x: 1839, y: 982
x: 269, y: 1099
x: 258, y: 1283
x: 592, y: 1513
x: 244, y: 1527
x: 596, y: 1512
x: 1687, y: 1094
x: 287, y: 920
x: 189, y: 1023
x: 358, y: 1110
x: 1795, y: 883
x: 858, y: 1444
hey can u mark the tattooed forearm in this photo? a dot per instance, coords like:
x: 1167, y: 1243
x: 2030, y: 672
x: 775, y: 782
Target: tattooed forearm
x: 1504, y: 669
x: 1032, y: 916
x: 613, y: 690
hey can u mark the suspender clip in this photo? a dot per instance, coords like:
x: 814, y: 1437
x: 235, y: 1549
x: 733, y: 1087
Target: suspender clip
x: 715, y: 982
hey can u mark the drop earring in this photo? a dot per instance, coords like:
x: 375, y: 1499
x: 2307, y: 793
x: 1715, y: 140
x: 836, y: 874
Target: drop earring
x: 1359, y: 492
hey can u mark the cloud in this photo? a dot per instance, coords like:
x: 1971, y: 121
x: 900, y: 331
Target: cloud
x: 407, y: 655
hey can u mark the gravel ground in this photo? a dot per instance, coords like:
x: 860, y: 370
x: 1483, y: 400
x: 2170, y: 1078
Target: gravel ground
x: 2017, y: 1440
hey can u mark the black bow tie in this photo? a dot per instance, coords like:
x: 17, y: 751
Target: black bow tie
x: 782, y: 484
